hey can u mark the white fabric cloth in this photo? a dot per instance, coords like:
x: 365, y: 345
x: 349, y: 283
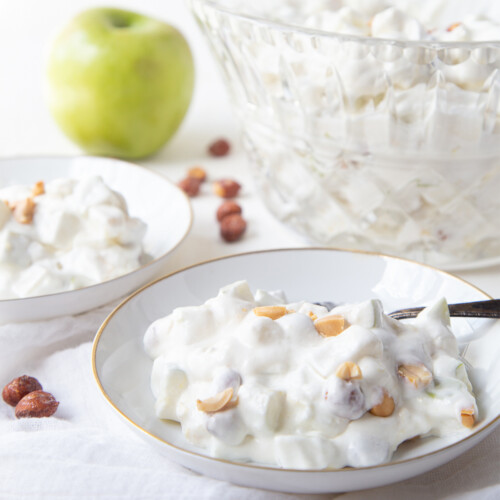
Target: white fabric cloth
x: 86, y: 451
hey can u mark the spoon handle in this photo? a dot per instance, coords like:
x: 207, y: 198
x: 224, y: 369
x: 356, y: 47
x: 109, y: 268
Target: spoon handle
x: 480, y: 309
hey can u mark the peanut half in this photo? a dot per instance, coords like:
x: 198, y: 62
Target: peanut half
x: 221, y: 401
x: 418, y: 375
x: 273, y: 312
x: 349, y: 371
x: 385, y: 408
x: 330, y: 326
x: 312, y: 316
x: 467, y: 416
x: 38, y: 189
x: 24, y: 210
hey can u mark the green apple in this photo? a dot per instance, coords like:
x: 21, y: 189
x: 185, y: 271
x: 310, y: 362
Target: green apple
x: 119, y: 83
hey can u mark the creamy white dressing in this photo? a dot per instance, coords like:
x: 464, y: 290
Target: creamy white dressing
x: 289, y: 404
x: 80, y: 234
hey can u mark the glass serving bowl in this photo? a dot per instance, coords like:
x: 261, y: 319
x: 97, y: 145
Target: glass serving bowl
x: 368, y: 143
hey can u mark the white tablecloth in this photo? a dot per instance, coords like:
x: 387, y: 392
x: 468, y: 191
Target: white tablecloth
x: 85, y: 451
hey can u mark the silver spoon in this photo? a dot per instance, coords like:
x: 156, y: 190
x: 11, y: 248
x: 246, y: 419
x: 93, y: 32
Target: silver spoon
x: 480, y: 309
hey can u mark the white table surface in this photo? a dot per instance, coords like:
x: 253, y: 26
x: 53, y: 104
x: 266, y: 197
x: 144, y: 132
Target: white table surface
x: 27, y: 129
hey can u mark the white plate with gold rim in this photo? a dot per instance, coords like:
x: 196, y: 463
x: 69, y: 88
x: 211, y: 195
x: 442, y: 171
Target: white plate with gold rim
x: 156, y: 201
x: 122, y: 369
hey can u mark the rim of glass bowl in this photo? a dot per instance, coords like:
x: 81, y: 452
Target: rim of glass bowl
x: 297, y: 28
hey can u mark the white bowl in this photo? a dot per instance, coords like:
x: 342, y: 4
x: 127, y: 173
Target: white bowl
x: 161, y: 205
x: 122, y: 369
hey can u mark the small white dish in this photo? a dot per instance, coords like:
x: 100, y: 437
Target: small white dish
x: 122, y: 369
x: 160, y: 204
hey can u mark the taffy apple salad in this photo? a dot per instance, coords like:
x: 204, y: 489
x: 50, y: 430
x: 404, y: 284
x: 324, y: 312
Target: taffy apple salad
x: 254, y: 378
x: 63, y: 235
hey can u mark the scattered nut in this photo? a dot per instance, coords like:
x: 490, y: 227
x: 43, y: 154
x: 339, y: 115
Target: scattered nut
x: 453, y: 26
x: 16, y: 389
x: 273, y: 312
x: 385, y: 408
x: 417, y: 375
x: 312, y: 316
x: 228, y: 208
x: 190, y: 185
x: 36, y: 404
x: 349, y: 371
x: 24, y: 210
x: 221, y: 401
x: 232, y: 227
x: 468, y: 417
x: 38, y: 189
x: 330, y: 326
x: 226, y: 188
x: 197, y: 173
x: 220, y: 147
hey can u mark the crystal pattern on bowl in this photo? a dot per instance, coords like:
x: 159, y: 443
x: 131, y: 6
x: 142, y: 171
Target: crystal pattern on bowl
x: 368, y: 143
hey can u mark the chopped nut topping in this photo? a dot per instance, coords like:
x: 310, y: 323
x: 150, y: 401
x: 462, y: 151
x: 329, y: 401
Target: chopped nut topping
x: 24, y: 210
x: 349, y: 371
x: 453, y: 26
x: 312, y: 315
x: 38, y: 189
x: 385, y: 408
x: 468, y: 417
x: 417, y: 375
x: 273, y: 312
x: 221, y: 401
x: 330, y: 326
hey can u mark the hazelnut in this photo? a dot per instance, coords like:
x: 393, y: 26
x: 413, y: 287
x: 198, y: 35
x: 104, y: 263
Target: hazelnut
x: 221, y: 401
x: 453, y: 26
x: 232, y: 227
x: 190, y: 185
x: 417, y: 375
x: 38, y: 189
x: 467, y: 417
x: 273, y: 312
x: 220, y: 147
x: 228, y: 208
x: 15, y: 390
x: 385, y: 408
x: 349, y: 371
x: 36, y: 404
x: 197, y: 173
x: 330, y: 326
x: 312, y: 316
x: 226, y: 188
x: 24, y: 210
